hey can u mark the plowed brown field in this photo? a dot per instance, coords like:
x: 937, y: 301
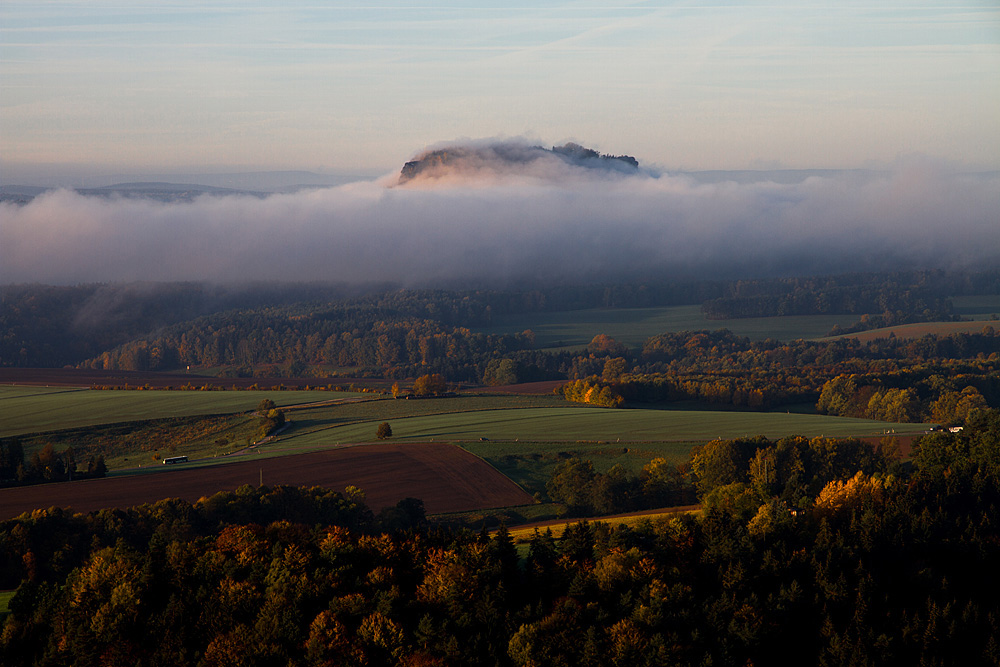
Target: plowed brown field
x: 445, y: 477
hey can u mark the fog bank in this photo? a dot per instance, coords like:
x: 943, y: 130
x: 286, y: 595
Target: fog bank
x: 574, y: 228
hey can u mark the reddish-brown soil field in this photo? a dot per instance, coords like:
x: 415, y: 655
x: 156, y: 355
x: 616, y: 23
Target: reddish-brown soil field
x: 445, y: 477
x: 905, y: 442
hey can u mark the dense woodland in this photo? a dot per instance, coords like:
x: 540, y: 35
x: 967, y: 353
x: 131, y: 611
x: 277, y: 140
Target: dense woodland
x: 399, y: 333
x: 806, y: 552
x: 404, y: 334
x: 931, y: 379
x: 44, y: 465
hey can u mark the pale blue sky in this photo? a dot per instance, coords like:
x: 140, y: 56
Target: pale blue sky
x: 336, y: 86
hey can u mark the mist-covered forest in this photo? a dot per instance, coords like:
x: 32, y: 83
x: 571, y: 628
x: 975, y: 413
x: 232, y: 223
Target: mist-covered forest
x: 321, y: 331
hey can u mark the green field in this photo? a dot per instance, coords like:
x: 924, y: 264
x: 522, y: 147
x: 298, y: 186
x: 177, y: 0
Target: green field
x: 980, y: 307
x: 571, y: 424
x: 137, y: 443
x: 5, y: 597
x: 632, y: 326
x: 32, y: 410
x: 524, y: 437
x: 458, y: 419
x: 527, y: 443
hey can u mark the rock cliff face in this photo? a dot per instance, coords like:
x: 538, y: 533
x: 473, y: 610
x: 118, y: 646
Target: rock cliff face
x: 509, y: 158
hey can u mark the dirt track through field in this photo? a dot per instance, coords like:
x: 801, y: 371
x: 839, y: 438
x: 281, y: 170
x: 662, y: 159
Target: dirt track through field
x: 445, y: 477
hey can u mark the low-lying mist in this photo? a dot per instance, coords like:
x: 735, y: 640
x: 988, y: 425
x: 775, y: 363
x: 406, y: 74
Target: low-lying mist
x: 574, y: 225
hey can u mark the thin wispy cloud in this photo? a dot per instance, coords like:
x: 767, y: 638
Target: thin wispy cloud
x: 708, y: 86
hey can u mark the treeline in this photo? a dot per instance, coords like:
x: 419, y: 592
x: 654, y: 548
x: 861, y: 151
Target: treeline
x: 585, y: 492
x: 908, y: 397
x: 53, y: 326
x: 372, y: 342
x: 844, y: 377
x: 874, y: 566
x: 745, y: 473
x: 44, y: 465
x: 916, y: 296
x: 594, y: 392
x: 396, y: 334
x: 56, y: 325
x: 708, y: 389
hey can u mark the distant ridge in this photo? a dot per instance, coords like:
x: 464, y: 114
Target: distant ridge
x: 185, y: 187
x: 161, y: 191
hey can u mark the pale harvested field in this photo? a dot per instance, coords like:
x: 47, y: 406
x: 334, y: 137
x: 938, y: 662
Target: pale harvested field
x: 919, y: 330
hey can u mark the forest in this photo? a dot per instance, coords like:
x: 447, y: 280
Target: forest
x: 382, y: 332
x: 802, y: 553
x: 936, y: 378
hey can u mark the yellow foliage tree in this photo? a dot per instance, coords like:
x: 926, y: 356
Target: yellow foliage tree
x: 855, y: 493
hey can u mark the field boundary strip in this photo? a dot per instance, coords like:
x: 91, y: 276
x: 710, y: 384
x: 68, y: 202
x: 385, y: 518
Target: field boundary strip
x: 521, y: 534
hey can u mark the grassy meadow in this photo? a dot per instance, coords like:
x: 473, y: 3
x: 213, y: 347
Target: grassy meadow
x: 568, y: 423
x: 526, y: 443
x: 980, y: 307
x: 5, y: 597
x: 34, y: 409
x: 140, y: 443
x: 523, y: 436
x: 631, y: 326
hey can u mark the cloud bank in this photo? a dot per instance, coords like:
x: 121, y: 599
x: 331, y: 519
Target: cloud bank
x: 569, y: 226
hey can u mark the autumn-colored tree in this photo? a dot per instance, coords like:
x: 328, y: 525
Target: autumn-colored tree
x: 428, y: 385
x: 571, y: 483
x: 614, y: 368
x: 500, y: 372
x: 383, y: 431
x: 843, y: 496
x: 662, y: 483
x: 721, y: 462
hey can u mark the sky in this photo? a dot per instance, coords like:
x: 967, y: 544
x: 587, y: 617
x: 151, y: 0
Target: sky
x: 903, y: 98
x: 131, y: 86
